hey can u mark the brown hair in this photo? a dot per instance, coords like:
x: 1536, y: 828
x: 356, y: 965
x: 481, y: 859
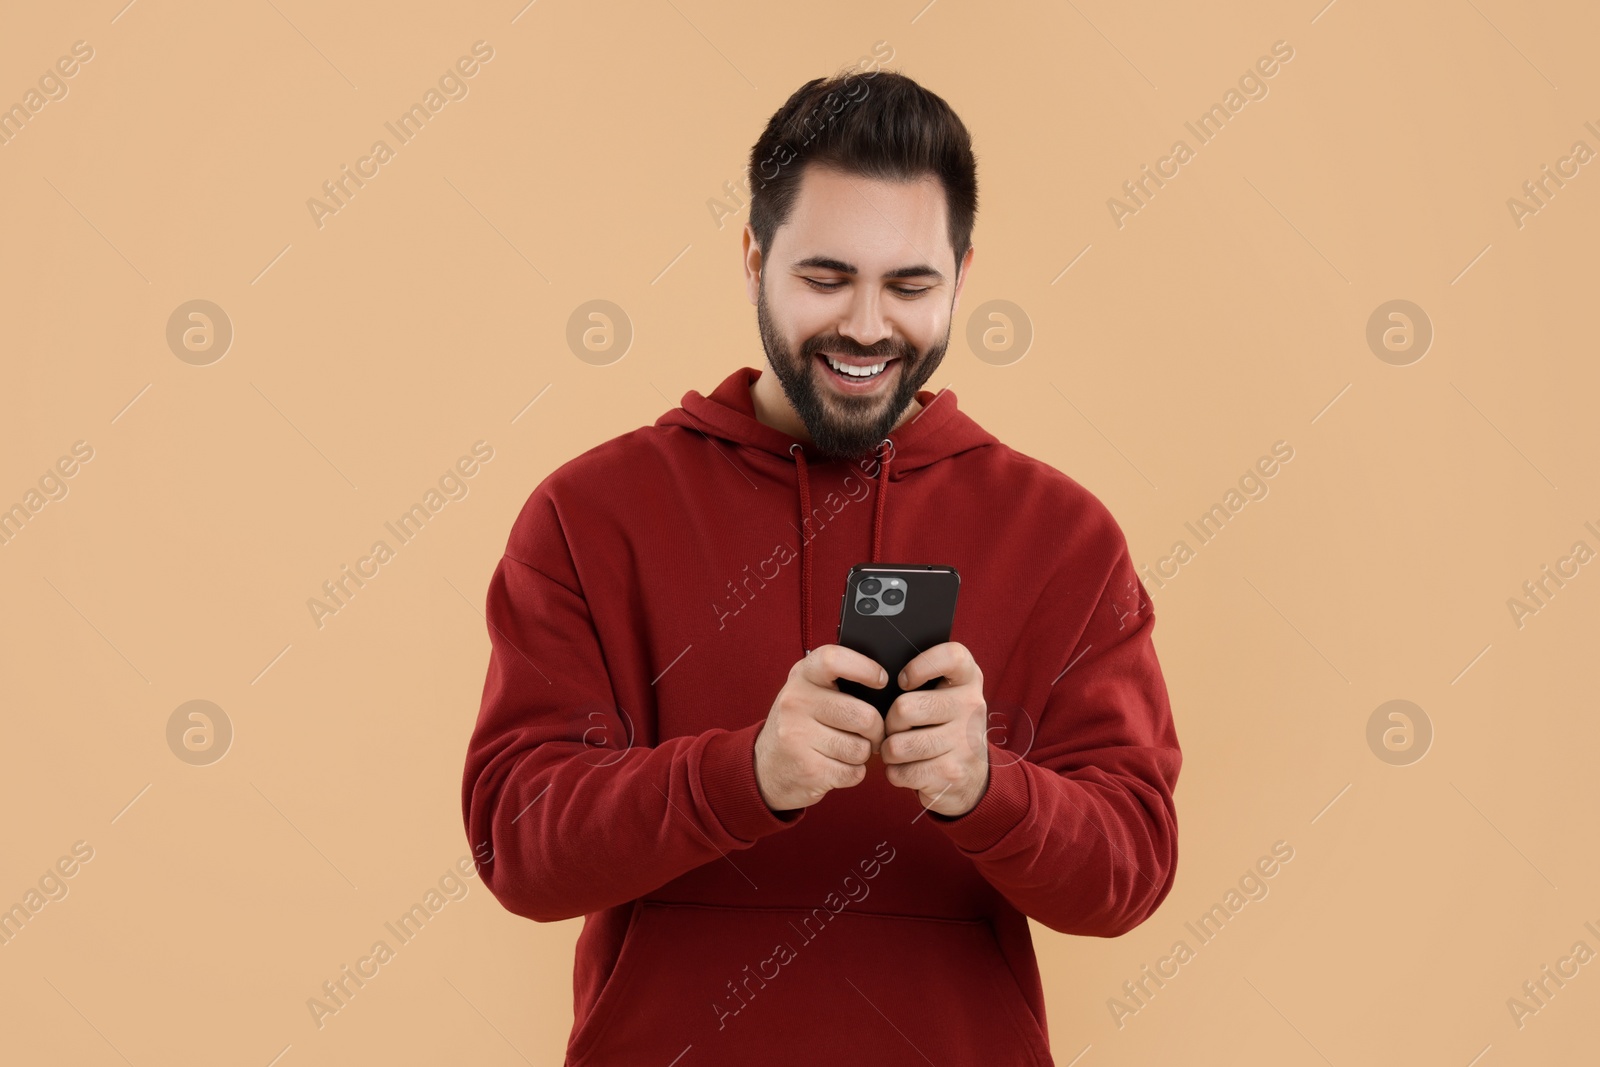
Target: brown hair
x: 879, y: 125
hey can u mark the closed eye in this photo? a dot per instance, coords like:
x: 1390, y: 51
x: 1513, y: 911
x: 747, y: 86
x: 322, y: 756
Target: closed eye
x: 828, y: 287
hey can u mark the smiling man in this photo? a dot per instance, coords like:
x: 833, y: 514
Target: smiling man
x: 868, y: 330
x: 769, y: 870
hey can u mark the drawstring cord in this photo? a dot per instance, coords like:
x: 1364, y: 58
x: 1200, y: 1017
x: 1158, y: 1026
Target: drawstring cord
x: 885, y: 451
x: 805, y: 545
x: 883, y: 495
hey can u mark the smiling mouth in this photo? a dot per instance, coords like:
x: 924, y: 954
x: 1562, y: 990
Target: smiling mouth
x: 855, y: 370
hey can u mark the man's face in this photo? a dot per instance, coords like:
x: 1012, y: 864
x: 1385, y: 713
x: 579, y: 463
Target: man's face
x: 862, y: 271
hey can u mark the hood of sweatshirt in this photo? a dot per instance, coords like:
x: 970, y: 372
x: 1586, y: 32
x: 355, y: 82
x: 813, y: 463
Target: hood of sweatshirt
x: 654, y: 595
x: 938, y: 431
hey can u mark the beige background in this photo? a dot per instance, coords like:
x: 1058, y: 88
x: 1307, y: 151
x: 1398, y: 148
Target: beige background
x: 368, y: 354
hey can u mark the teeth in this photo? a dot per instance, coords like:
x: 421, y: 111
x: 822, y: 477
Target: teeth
x: 856, y: 372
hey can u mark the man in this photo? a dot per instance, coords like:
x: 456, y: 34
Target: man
x: 769, y: 870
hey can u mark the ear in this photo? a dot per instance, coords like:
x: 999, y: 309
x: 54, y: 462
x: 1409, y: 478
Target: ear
x: 961, y: 278
x: 751, y: 252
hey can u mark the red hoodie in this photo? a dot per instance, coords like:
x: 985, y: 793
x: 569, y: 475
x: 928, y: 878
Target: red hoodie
x: 654, y: 593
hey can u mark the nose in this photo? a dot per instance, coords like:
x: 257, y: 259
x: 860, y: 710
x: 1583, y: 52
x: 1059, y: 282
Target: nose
x: 865, y: 323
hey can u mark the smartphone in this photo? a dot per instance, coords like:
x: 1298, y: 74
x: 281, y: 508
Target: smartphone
x: 891, y: 613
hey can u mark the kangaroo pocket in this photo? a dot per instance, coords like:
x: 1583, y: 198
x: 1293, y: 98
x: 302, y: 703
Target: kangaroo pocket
x: 797, y: 986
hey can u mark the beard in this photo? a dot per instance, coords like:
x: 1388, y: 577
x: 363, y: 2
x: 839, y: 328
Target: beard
x: 845, y: 427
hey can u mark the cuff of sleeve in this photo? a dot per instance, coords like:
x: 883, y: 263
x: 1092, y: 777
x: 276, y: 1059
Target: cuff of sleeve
x: 728, y: 780
x: 1002, y: 806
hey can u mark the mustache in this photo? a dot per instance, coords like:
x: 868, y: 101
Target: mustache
x: 839, y: 346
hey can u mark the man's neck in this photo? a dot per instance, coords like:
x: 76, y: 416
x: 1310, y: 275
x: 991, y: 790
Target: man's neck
x: 772, y: 408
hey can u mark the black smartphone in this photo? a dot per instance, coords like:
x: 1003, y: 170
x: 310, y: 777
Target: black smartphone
x: 891, y: 613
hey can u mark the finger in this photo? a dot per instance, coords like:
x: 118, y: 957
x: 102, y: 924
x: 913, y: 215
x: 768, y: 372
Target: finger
x: 915, y: 775
x: 826, y: 773
x: 952, y: 660
x: 842, y: 745
x: 851, y: 715
x: 929, y: 707
x: 843, y: 775
x: 917, y: 746
x: 828, y: 663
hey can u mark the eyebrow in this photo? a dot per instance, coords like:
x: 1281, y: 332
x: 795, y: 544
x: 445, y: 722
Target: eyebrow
x: 921, y: 270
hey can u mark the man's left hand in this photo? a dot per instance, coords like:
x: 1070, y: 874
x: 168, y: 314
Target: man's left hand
x: 936, y: 741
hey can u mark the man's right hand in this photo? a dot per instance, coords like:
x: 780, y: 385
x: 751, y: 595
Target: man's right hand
x: 817, y: 738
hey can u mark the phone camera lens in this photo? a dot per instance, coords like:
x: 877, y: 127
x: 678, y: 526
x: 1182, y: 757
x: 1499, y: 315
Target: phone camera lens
x: 893, y: 596
x: 867, y: 605
x: 870, y: 586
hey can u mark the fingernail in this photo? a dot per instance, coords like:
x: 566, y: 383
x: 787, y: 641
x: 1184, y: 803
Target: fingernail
x: 883, y: 676
x: 902, y: 677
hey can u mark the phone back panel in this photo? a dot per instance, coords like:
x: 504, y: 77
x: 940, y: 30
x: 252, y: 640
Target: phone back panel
x: 893, y: 638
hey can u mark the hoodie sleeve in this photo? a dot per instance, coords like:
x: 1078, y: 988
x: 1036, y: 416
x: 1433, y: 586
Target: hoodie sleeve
x: 1081, y: 834
x: 579, y: 813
